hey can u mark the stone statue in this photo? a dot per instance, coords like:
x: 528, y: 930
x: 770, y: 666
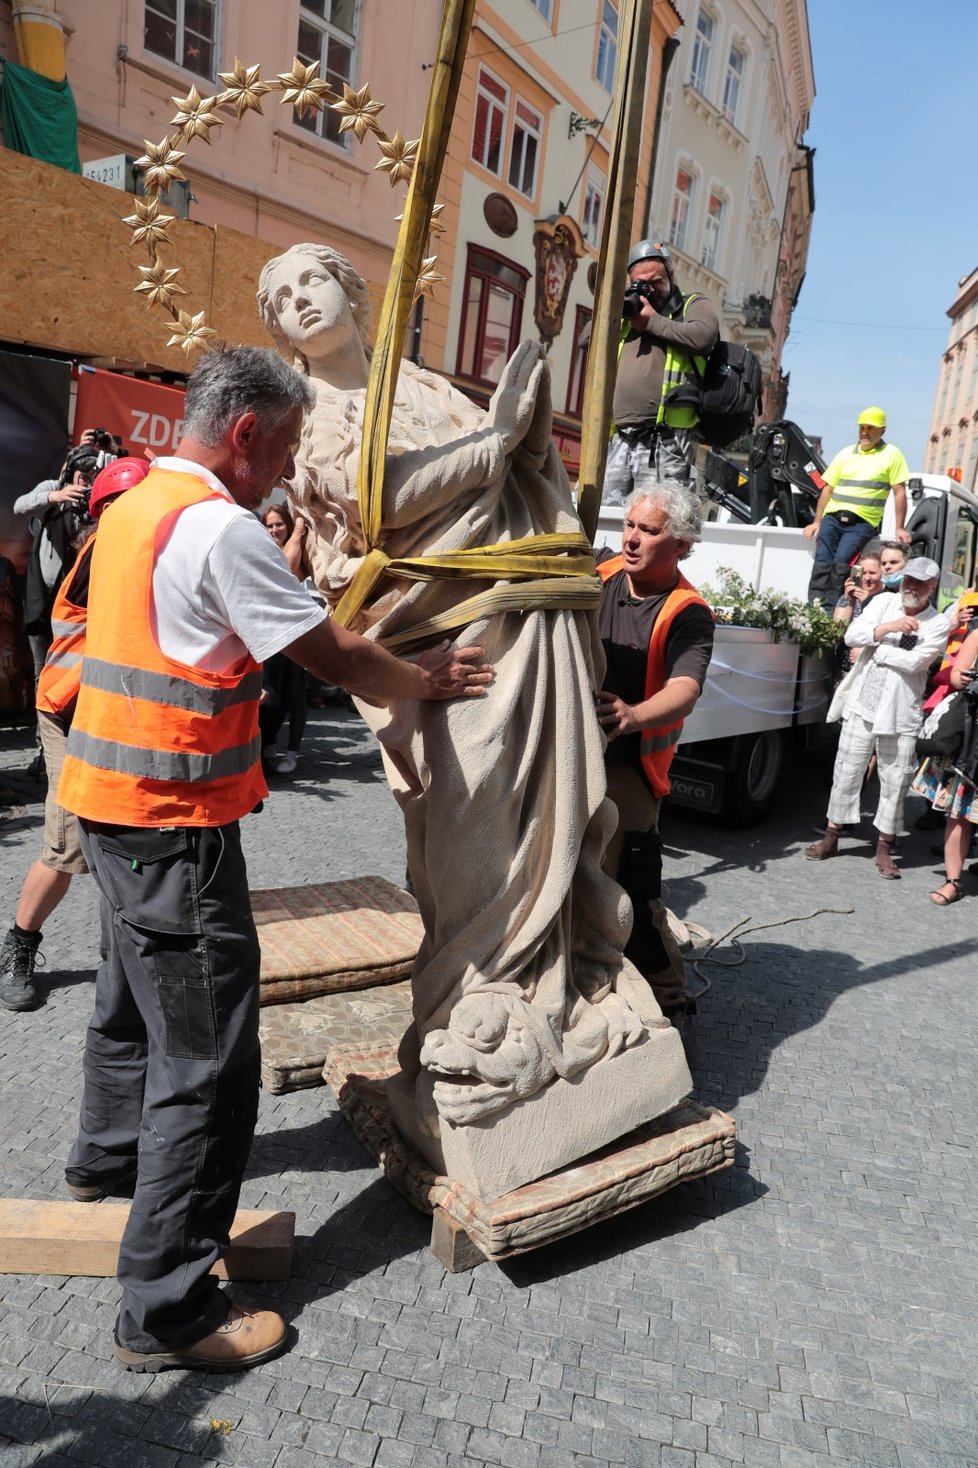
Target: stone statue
x: 533, y: 1041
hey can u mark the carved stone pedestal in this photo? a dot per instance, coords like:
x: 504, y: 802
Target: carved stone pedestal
x: 689, y: 1142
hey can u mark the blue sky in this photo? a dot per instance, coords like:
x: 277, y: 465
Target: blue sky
x: 896, y: 213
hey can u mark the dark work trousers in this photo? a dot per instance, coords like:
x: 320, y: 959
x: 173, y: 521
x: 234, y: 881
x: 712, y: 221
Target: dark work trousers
x: 171, y: 1065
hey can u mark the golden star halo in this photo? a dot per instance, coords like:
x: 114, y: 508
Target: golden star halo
x: 358, y: 112
x: 191, y: 332
x: 428, y: 278
x: 399, y: 157
x: 244, y: 88
x: 305, y: 88
x: 161, y: 164
x: 148, y: 225
x: 195, y: 117
x: 157, y: 284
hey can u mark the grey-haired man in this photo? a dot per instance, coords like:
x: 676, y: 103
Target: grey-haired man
x: 668, y: 335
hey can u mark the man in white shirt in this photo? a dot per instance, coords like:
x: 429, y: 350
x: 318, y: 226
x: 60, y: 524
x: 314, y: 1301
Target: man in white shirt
x: 188, y: 595
x: 882, y: 713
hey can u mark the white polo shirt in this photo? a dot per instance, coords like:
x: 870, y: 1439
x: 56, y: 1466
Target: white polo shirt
x: 222, y: 586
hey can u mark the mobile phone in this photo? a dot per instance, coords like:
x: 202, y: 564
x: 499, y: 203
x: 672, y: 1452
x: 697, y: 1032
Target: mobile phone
x: 857, y: 575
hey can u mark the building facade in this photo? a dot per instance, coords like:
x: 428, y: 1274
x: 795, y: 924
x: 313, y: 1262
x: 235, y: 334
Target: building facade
x: 952, y: 444
x: 733, y: 189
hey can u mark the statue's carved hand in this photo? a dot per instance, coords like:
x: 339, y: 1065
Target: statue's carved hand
x: 514, y: 402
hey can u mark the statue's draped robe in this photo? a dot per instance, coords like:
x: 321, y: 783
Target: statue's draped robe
x: 503, y: 797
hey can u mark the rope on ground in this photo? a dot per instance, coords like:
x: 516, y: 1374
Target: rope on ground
x: 738, y: 931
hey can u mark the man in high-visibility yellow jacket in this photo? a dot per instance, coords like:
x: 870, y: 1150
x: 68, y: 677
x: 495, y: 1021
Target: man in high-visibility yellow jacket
x: 850, y: 508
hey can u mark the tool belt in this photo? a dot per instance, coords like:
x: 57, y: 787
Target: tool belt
x: 643, y: 434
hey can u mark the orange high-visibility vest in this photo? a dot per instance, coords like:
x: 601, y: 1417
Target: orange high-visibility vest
x: 155, y: 742
x: 658, y: 744
x: 57, y: 687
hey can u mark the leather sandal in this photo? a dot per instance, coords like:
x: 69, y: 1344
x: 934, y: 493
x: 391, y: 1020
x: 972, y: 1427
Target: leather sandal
x: 884, y: 861
x: 940, y: 900
x: 822, y: 850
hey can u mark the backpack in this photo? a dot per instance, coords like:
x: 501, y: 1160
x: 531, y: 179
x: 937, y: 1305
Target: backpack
x: 730, y: 392
x: 943, y: 731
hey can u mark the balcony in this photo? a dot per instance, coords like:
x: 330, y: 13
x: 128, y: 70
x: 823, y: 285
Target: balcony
x: 713, y: 117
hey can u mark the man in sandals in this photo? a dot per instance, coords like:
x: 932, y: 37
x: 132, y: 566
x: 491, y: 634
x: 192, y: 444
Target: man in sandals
x: 882, y: 714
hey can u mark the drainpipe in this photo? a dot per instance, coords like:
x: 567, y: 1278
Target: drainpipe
x: 668, y: 52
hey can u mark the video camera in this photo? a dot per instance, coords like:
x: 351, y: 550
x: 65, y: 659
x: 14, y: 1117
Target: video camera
x: 637, y: 293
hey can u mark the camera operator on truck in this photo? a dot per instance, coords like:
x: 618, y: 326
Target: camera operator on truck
x: 668, y: 338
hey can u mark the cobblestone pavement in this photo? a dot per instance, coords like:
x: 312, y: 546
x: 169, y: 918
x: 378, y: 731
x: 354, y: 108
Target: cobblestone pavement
x: 813, y: 1307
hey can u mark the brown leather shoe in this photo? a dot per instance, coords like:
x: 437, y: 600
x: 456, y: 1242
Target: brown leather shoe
x: 246, y: 1338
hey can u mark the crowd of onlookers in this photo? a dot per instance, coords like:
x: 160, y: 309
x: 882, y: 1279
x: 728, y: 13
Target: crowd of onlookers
x: 902, y: 660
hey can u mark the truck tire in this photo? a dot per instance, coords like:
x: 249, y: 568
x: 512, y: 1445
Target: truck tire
x: 750, y: 786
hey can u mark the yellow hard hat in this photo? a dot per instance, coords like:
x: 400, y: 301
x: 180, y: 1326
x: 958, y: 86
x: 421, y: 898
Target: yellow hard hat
x: 875, y: 417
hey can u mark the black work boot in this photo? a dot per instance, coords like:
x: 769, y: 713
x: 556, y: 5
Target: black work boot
x: 17, y: 959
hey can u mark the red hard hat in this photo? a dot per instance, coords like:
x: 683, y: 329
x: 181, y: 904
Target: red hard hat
x: 114, y: 480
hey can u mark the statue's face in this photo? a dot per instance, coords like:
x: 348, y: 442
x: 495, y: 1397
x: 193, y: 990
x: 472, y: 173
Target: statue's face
x: 308, y: 301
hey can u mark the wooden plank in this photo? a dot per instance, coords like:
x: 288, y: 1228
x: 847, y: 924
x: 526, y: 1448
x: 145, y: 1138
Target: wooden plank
x: 83, y: 1239
x: 452, y: 1246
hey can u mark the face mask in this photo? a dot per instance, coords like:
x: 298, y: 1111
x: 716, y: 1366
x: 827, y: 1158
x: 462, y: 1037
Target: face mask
x: 892, y: 581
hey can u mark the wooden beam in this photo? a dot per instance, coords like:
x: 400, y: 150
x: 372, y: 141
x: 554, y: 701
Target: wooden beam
x: 83, y: 1239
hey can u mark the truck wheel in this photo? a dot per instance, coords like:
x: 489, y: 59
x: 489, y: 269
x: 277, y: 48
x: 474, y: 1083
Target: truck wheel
x: 752, y: 780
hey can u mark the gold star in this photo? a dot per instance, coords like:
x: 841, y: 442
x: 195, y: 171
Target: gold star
x: 160, y: 162
x: 157, y: 284
x: 190, y: 332
x: 358, y: 112
x: 245, y: 88
x: 428, y: 278
x: 399, y: 157
x: 148, y: 225
x: 304, y: 88
x: 435, y: 225
x: 195, y: 117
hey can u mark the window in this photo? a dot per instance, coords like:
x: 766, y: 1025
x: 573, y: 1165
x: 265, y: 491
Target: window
x: 327, y: 34
x: 593, y: 209
x: 491, y: 104
x: 545, y: 7
x: 702, y: 46
x: 184, y: 31
x: 607, y: 46
x: 733, y: 84
x: 525, y: 149
x: 682, y: 199
x: 578, y: 367
x: 492, y: 315
x: 712, y: 230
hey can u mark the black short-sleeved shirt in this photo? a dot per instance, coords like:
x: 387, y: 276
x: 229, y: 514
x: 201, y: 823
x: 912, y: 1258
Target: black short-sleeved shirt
x: 625, y: 624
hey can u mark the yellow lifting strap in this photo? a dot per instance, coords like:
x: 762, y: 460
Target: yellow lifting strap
x: 549, y: 570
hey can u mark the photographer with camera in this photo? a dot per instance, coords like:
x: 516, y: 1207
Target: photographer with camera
x: 666, y: 340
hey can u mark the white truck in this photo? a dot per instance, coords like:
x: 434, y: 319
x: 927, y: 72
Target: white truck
x: 764, y: 705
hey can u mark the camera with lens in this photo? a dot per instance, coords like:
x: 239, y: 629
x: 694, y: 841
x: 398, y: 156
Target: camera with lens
x: 637, y: 292
x: 109, y: 447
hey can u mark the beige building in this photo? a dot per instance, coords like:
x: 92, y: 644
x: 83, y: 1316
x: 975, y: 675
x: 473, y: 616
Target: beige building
x: 733, y: 190
x: 952, y: 445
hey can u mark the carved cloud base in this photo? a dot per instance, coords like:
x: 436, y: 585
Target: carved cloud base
x: 565, y: 1121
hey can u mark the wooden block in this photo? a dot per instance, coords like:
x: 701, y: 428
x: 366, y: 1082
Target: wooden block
x: 452, y: 1246
x: 83, y: 1239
